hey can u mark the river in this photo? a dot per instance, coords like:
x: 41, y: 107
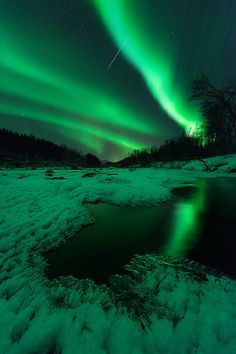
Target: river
x: 198, y: 223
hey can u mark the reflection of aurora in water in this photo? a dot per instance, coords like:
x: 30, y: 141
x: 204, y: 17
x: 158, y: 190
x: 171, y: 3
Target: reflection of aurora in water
x: 186, y: 223
x: 191, y: 225
x: 105, y: 247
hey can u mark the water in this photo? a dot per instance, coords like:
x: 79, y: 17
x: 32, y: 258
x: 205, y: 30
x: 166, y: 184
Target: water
x: 198, y: 223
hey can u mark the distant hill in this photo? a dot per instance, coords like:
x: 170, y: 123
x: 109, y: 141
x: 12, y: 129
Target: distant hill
x: 20, y: 150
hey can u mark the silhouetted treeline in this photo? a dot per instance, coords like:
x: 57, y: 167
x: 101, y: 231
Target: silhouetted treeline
x: 141, y: 157
x: 216, y: 135
x: 18, y: 150
x: 181, y: 148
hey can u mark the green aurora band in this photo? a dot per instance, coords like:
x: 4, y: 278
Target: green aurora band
x: 34, y: 91
x: 122, y: 19
x: 54, y: 76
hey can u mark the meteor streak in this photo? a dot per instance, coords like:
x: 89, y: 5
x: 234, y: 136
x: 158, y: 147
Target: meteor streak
x: 118, y: 52
x: 122, y: 45
x: 152, y: 59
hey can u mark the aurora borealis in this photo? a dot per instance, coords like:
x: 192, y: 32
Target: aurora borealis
x: 54, y: 77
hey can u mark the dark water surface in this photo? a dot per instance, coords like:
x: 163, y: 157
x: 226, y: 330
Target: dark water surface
x: 199, y: 223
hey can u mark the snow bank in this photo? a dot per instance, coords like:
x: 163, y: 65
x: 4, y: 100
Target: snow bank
x: 226, y: 163
x: 39, y: 211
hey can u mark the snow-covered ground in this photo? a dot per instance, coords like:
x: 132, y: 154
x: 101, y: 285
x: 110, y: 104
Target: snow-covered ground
x: 39, y: 211
x: 226, y: 163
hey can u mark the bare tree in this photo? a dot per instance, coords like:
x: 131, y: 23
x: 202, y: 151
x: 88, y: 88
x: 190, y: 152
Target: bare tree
x: 218, y: 107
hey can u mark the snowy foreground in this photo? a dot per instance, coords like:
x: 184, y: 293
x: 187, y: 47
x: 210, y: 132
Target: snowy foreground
x: 159, y: 308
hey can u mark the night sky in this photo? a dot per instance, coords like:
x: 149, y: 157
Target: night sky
x: 110, y: 76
